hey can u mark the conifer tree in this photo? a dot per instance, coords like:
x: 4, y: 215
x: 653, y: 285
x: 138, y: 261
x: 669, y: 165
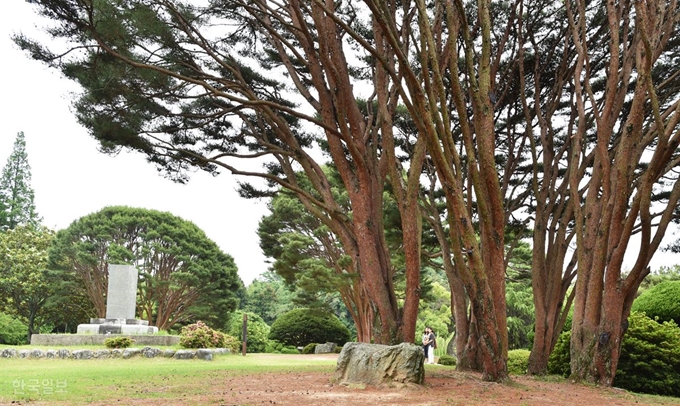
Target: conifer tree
x: 16, y: 194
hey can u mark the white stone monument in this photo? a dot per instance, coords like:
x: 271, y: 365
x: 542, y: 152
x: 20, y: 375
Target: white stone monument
x: 121, y: 302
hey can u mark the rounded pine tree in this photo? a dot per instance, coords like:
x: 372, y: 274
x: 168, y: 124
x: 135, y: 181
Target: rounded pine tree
x: 300, y: 327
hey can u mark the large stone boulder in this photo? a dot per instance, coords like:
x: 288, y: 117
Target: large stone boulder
x: 375, y: 364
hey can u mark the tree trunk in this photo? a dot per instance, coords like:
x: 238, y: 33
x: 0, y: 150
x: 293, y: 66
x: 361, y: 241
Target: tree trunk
x: 374, y: 264
x: 595, y: 351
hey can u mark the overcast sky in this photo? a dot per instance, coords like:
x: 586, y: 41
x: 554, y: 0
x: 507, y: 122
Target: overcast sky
x: 72, y: 179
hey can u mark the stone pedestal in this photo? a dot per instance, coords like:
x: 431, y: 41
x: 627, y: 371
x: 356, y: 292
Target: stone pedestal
x: 115, y: 326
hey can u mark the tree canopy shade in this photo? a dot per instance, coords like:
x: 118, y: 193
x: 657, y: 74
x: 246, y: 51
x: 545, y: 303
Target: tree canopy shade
x: 184, y: 276
x: 16, y: 194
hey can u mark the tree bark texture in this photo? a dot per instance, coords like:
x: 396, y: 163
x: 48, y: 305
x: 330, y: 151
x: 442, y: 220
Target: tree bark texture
x: 619, y: 193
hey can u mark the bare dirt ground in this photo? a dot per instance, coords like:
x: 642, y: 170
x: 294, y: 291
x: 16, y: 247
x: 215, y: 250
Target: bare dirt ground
x: 443, y: 386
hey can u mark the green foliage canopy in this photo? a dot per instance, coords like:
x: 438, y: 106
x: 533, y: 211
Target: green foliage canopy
x: 661, y: 301
x: 12, y: 330
x: 183, y: 274
x: 25, y: 285
x: 258, y: 331
x: 300, y: 327
x: 268, y: 297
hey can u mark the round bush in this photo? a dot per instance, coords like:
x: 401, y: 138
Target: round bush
x: 118, y: 342
x: 660, y: 302
x: 649, y: 361
x: 309, y: 348
x: 199, y: 335
x: 447, y: 360
x: 300, y: 327
x: 518, y: 362
x: 258, y: 331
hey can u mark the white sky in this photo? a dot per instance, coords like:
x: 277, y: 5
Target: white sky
x: 72, y: 179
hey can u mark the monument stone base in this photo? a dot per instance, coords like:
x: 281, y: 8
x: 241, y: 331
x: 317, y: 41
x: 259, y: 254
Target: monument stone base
x: 117, y: 326
x: 98, y: 339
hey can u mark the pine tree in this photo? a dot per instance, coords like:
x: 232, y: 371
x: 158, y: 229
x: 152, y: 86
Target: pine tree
x: 16, y: 194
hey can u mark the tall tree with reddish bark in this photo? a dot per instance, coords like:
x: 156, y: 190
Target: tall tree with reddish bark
x: 211, y: 86
x: 623, y: 153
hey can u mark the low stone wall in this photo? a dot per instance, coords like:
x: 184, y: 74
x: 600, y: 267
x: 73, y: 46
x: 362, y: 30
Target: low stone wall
x: 98, y: 339
x: 146, y: 352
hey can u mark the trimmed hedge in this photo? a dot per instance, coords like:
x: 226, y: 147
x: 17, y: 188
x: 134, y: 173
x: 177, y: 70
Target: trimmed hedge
x: 300, y: 327
x: 660, y: 302
x: 518, y: 362
x: 118, y: 342
x: 447, y: 360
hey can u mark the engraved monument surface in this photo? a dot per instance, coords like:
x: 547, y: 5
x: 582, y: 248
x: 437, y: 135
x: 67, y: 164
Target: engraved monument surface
x: 121, y: 302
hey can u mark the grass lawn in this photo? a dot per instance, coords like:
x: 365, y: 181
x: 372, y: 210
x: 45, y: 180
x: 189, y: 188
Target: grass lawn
x: 86, y: 381
x: 298, y: 380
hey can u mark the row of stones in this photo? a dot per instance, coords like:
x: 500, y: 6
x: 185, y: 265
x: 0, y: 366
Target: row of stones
x: 147, y: 352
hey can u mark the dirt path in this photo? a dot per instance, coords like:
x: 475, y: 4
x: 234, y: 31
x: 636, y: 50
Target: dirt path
x: 443, y: 386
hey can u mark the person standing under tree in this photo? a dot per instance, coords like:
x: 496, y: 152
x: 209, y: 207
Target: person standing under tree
x: 431, y: 345
x: 425, y: 343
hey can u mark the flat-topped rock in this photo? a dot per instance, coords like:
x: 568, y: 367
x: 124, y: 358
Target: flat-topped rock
x: 375, y: 364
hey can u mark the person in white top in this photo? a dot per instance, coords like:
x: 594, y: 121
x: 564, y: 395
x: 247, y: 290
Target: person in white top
x: 430, y: 343
x: 425, y: 336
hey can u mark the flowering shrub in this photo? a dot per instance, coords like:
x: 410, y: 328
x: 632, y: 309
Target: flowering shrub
x: 199, y: 335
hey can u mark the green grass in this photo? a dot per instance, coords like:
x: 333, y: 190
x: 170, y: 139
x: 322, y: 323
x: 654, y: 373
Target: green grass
x: 86, y: 381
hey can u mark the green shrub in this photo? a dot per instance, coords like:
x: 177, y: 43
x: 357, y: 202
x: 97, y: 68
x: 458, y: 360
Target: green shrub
x: 118, y: 342
x: 232, y: 343
x: 12, y: 331
x: 518, y: 362
x: 649, y: 361
x: 300, y: 327
x: 560, y: 358
x: 199, y: 335
x: 447, y: 360
x: 660, y: 302
x: 258, y: 331
x: 650, y: 357
x: 309, y: 348
x: 275, y: 347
